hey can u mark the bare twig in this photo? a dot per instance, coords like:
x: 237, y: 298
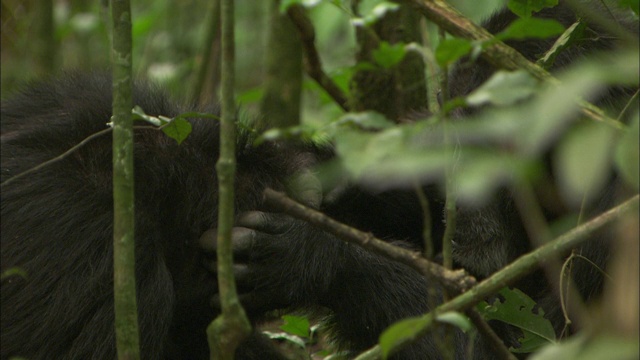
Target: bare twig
x: 312, y: 59
x: 57, y: 158
x: 499, y: 348
x: 538, y: 230
x: 455, y: 280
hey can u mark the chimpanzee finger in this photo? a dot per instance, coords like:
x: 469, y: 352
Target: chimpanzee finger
x: 306, y: 188
x: 271, y: 223
x: 240, y: 270
x: 243, y: 240
x: 209, y: 240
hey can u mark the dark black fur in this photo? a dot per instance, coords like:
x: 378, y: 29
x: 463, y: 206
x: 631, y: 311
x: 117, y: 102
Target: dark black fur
x: 491, y: 236
x: 56, y: 223
x: 495, y: 229
x: 56, y: 226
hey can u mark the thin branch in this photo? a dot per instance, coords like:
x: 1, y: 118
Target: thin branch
x: 57, y: 158
x: 525, y: 265
x: 313, y: 64
x: 427, y: 224
x: 213, y: 30
x: 71, y: 151
x: 498, y: 346
x: 538, y: 230
x: 497, y: 52
x: 455, y: 280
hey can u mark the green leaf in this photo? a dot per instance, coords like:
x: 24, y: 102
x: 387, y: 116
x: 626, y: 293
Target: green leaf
x: 568, y: 37
x: 373, y: 11
x: 450, y: 50
x: 627, y: 157
x: 285, y: 4
x: 178, y: 129
x: 534, y: 28
x: 481, y: 172
x: 631, y: 4
x: 85, y: 23
x: 456, y: 319
x: 392, y: 156
x: 585, y: 346
x: 401, y: 332
x: 504, y: 88
x: 524, y: 8
x: 583, y: 161
x: 303, y: 132
x: 251, y: 96
x: 517, y: 309
x: 387, y: 55
x: 293, y: 339
x: 139, y: 114
x: 547, y: 117
x: 296, y: 325
x: 14, y: 271
x: 370, y: 120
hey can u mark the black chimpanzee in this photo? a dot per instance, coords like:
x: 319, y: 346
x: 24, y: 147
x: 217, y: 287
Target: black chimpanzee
x: 490, y: 236
x: 486, y: 239
x: 56, y: 223
x: 56, y: 227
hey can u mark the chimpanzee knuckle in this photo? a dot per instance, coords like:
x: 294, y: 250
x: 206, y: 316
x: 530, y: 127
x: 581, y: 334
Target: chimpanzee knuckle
x: 243, y: 273
x: 267, y: 222
x: 252, y: 219
x: 244, y: 240
x: 208, y: 241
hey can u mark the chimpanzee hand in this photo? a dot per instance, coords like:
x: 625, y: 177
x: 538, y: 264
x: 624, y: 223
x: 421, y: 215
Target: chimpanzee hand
x: 279, y: 261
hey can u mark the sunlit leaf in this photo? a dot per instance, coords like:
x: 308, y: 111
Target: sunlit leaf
x: 296, y: 325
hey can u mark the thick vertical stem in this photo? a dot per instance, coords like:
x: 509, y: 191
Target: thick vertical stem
x: 228, y: 330
x: 126, y: 313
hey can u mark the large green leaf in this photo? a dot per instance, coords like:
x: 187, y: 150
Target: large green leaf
x: 524, y: 8
x: 517, y: 309
x: 583, y: 161
x: 504, y: 88
x: 627, y: 157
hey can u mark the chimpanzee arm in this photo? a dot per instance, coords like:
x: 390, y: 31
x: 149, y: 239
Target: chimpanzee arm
x: 286, y: 263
